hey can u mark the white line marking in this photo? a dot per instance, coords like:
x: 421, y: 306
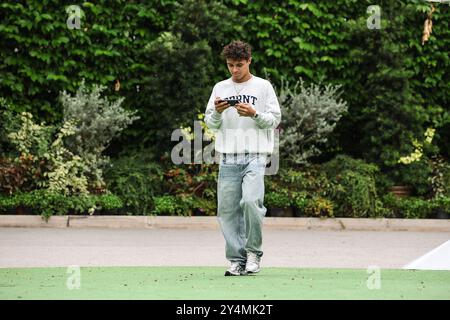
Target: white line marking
x: 436, y: 259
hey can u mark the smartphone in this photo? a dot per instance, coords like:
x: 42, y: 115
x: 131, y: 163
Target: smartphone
x: 231, y: 102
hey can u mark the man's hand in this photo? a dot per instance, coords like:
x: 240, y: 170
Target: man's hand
x: 220, y: 106
x: 245, y: 110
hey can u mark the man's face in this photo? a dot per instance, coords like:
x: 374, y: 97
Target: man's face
x: 239, y: 69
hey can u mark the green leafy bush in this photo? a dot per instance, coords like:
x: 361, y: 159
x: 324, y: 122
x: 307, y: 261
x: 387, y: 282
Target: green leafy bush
x: 300, y: 201
x: 446, y: 179
x: 136, y: 179
x: 415, y: 175
x: 343, y: 162
x: 195, y: 181
x: 184, y: 205
x: 203, y: 206
x: 438, y: 179
x: 62, y: 170
x: 381, y: 211
x: 309, y: 178
x: 48, y: 203
x: 413, y: 207
x: 409, y: 207
x: 319, y: 207
x: 31, y: 138
x: 108, y: 202
x: 390, y: 203
x: 354, y: 189
x: 441, y: 203
x: 171, y: 205
x: 416, y: 208
x: 67, y: 171
x: 279, y: 199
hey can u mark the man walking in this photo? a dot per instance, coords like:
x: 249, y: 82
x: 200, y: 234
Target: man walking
x: 244, y: 139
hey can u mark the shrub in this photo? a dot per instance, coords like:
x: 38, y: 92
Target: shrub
x: 278, y: 199
x: 30, y: 137
x: 419, y: 176
x: 415, y: 175
x: 441, y: 203
x: 437, y: 179
x: 319, y: 207
x: 30, y: 144
x: 390, y: 203
x: 171, y: 205
x: 48, y: 203
x: 410, y: 207
x: 19, y: 174
x: 136, y: 179
x: 424, y: 167
x: 70, y: 155
x: 354, y: 194
x: 446, y: 179
x: 197, y: 181
x: 108, y: 202
x: 97, y: 121
x: 346, y: 163
x: 354, y: 189
x: 310, y: 115
x: 62, y: 171
x: 310, y: 178
x: 413, y: 208
x: 184, y: 205
x: 67, y: 172
x: 381, y: 211
x: 203, y: 206
x: 300, y: 200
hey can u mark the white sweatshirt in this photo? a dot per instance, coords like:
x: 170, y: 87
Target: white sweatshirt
x: 236, y: 134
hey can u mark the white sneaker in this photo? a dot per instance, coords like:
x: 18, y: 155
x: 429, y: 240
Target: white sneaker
x: 235, y: 270
x: 253, y: 261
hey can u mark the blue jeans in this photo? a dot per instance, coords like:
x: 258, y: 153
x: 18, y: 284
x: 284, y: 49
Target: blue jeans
x: 240, y: 212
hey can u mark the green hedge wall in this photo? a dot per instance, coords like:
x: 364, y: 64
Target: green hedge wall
x: 41, y: 56
x: 395, y: 87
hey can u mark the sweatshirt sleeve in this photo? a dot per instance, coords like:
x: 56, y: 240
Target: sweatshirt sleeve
x: 271, y: 117
x: 213, y: 119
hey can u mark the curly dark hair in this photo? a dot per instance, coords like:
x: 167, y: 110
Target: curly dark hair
x: 237, y: 50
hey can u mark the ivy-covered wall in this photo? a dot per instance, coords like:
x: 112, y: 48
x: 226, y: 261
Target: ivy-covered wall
x: 395, y: 86
x: 41, y: 56
x: 165, y: 54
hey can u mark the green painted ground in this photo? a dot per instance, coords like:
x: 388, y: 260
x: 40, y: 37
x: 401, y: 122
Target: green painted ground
x: 209, y: 283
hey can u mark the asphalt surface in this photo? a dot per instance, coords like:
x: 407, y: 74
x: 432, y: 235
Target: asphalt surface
x: 48, y: 247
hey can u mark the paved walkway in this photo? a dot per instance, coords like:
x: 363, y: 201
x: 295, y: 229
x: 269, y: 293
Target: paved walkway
x: 45, y: 247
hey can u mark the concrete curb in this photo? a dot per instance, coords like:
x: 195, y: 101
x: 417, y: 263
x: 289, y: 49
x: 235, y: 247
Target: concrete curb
x: 162, y: 222
x: 117, y: 222
x: 30, y: 221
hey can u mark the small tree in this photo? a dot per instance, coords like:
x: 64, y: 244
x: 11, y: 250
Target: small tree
x: 309, y: 116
